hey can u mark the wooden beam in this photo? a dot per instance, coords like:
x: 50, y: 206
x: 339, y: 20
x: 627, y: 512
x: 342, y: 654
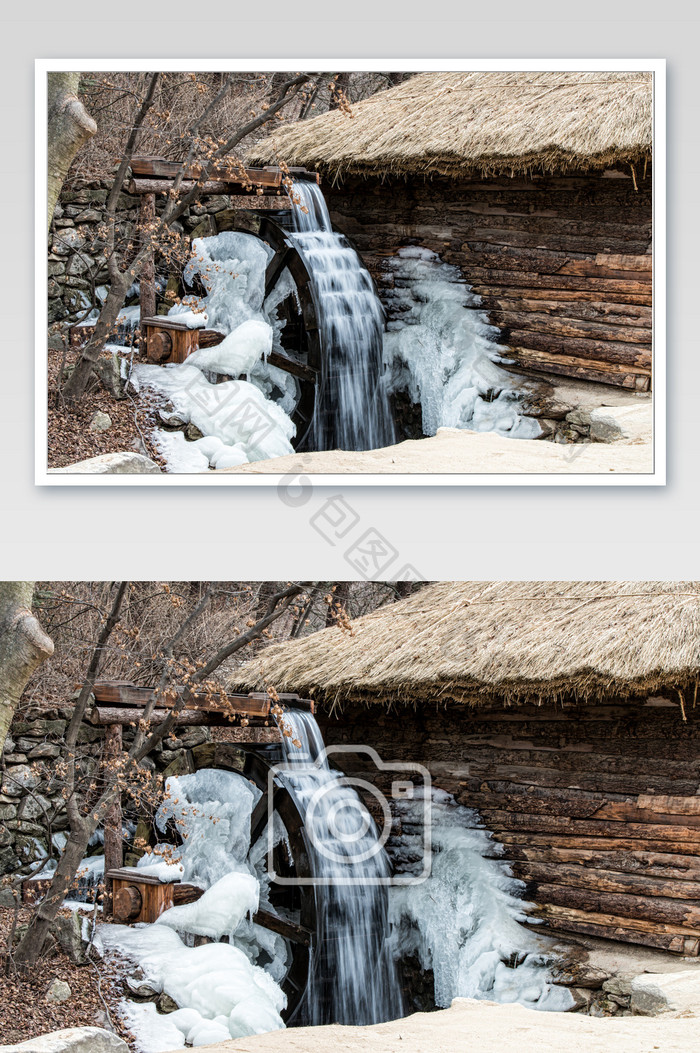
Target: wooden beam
x: 147, y: 278
x: 124, y: 715
x: 290, y: 930
x: 114, y: 855
x: 255, y: 703
x: 158, y: 166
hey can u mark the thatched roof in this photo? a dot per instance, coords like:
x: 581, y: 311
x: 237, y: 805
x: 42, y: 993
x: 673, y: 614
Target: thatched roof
x: 499, y: 643
x: 488, y: 123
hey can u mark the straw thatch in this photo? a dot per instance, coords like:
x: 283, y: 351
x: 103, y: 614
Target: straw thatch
x: 499, y: 643
x: 488, y: 123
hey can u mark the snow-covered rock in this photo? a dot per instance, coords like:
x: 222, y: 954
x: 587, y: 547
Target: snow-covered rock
x: 654, y: 993
x: 122, y: 463
x: 71, y: 1040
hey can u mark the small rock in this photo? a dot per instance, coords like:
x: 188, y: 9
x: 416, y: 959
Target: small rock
x: 141, y: 989
x: 620, y: 985
x: 166, y: 1004
x: 59, y: 991
x: 100, y: 421
x: 192, y: 433
x: 171, y: 421
x: 580, y: 974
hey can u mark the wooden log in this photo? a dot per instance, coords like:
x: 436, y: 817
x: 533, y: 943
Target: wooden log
x: 583, y: 369
x: 497, y: 820
x: 147, y: 278
x: 611, y: 266
x: 552, y: 910
x: 578, y: 842
x: 563, y: 329
x: 554, y: 803
x: 114, y: 852
x: 483, y: 239
x: 579, y: 758
x: 614, y: 315
x: 615, y: 929
x: 687, y: 805
x: 602, y: 880
x: 644, y: 862
x: 631, y: 356
x: 650, y: 908
x: 495, y: 294
x: 504, y: 272
x: 616, y: 782
x: 631, y: 812
x: 157, y: 166
x: 184, y: 893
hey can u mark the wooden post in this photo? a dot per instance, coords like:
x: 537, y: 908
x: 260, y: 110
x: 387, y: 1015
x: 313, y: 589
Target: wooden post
x: 147, y: 299
x: 113, y: 819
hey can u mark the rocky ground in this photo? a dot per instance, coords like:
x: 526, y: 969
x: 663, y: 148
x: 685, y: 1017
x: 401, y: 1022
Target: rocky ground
x: 57, y: 992
x: 99, y: 425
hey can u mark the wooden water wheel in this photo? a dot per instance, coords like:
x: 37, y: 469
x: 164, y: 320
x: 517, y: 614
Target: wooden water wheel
x: 301, y: 344
x: 294, y: 905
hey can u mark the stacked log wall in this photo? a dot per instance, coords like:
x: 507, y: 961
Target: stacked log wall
x: 597, y: 807
x: 563, y: 264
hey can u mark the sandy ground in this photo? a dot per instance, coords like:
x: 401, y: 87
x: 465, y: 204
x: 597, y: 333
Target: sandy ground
x: 454, y: 451
x: 482, y: 1027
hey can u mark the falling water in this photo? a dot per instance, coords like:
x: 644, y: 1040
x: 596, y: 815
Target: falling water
x: 352, y: 409
x: 352, y: 975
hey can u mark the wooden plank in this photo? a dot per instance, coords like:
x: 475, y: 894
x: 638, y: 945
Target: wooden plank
x: 503, y: 272
x: 574, y: 778
x: 552, y: 910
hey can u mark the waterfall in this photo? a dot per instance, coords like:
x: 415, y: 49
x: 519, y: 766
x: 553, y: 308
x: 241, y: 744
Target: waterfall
x: 352, y: 409
x: 352, y: 976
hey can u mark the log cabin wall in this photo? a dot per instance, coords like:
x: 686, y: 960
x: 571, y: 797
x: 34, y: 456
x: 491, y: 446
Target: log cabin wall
x: 597, y: 807
x: 563, y: 264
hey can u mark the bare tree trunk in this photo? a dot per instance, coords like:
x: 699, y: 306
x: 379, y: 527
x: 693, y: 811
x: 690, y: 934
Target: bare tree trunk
x: 23, y: 647
x: 69, y: 127
x: 44, y: 915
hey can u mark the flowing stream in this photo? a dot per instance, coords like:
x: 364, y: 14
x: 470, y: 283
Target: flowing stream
x: 352, y: 978
x: 352, y: 409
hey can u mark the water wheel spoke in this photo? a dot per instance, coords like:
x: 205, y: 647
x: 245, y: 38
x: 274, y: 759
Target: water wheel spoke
x: 290, y: 930
x: 262, y: 811
x: 275, y: 267
x: 297, y: 369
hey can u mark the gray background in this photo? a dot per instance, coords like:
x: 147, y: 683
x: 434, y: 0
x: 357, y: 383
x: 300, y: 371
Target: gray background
x: 477, y: 532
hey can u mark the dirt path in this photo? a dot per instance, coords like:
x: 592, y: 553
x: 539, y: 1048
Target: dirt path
x: 482, y: 1027
x: 454, y: 451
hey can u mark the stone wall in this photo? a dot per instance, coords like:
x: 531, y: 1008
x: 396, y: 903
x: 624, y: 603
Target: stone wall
x: 32, y: 808
x: 77, y: 263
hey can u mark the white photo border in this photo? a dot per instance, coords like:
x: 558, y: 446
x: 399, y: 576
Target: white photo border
x: 656, y: 477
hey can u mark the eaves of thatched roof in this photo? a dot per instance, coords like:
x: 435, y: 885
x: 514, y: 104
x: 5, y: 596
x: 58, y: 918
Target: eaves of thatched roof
x: 487, y: 123
x: 499, y: 643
